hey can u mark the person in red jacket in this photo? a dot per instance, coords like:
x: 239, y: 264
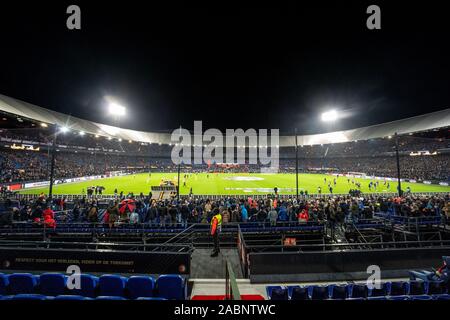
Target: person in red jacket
x: 49, y: 218
x: 303, y: 216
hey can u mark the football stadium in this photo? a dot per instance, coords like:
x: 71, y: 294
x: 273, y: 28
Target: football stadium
x: 125, y: 184
x: 334, y: 195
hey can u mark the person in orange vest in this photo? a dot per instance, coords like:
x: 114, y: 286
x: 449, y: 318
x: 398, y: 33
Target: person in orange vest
x: 216, y: 227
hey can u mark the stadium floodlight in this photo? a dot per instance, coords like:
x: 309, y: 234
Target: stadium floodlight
x: 64, y: 129
x: 82, y: 133
x: 116, y: 109
x: 44, y: 125
x: 329, y: 116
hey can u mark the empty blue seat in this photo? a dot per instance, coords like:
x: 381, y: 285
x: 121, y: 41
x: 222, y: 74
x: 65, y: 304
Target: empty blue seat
x: 441, y: 296
x: 279, y: 294
x: 140, y: 286
x: 398, y: 288
x: 355, y: 299
x: 417, y: 288
x: 112, y: 285
x: 298, y: 293
x: 358, y: 291
x: 53, y: 284
x: 88, y: 286
x: 27, y: 296
x: 269, y: 290
x: 338, y: 292
x: 399, y: 297
x: 319, y: 292
x: 110, y: 298
x: 151, y: 298
x: 4, y: 282
x: 436, y: 287
x: 71, y: 297
x: 421, y: 297
x: 22, y: 283
x: 171, y: 287
x: 377, y: 298
x: 379, y: 292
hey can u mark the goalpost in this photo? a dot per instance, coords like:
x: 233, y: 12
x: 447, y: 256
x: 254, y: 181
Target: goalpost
x: 355, y: 174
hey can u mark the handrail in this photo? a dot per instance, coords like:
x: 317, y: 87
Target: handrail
x: 356, y: 244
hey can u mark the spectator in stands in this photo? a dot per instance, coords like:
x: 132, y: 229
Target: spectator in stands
x: 92, y: 214
x: 49, y: 218
x: 225, y: 216
x: 152, y: 213
x: 273, y: 216
x: 113, y: 213
x: 303, y: 216
x: 244, y: 214
x: 134, y: 217
x: 37, y: 214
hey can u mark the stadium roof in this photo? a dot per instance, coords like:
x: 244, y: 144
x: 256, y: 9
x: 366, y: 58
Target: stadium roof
x: 430, y: 121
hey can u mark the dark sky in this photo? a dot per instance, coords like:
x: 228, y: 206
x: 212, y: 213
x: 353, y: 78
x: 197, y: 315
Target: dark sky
x: 232, y: 66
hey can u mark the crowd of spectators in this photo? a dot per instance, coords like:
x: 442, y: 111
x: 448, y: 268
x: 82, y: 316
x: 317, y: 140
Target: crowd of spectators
x: 27, y: 166
x: 327, y: 209
x: 84, y: 155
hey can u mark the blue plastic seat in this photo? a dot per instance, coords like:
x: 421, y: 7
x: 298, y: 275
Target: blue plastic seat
x: 441, y: 296
x: 436, y: 287
x: 318, y: 292
x: 4, y: 283
x: 53, y: 284
x: 22, y: 283
x: 112, y: 285
x: 270, y: 289
x: 338, y: 292
x: 151, y: 298
x: 421, y: 297
x: 29, y: 296
x: 298, y: 293
x: 358, y: 291
x: 140, y: 286
x: 399, y: 297
x: 71, y: 297
x: 356, y: 299
x: 172, y: 287
x: 398, y: 288
x: 417, y: 288
x: 379, y: 292
x: 280, y: 293
x: 377, y: 298
x: 88, y: 286
x: 110, y: 298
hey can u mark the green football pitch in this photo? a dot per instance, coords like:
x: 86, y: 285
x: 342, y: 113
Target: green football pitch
x: 231, y: 184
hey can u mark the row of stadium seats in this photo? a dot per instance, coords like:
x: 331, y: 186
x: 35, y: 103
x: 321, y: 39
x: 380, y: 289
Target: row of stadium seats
x: 81, y: 227
x: 399, y: 290
x: 55, y: 284
x: 69, y: 297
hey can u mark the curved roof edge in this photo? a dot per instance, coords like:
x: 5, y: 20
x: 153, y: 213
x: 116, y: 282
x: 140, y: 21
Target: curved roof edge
x: 429, y: 121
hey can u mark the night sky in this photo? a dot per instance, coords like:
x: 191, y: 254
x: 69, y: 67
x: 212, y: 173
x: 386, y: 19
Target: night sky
x: 232, y: 66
